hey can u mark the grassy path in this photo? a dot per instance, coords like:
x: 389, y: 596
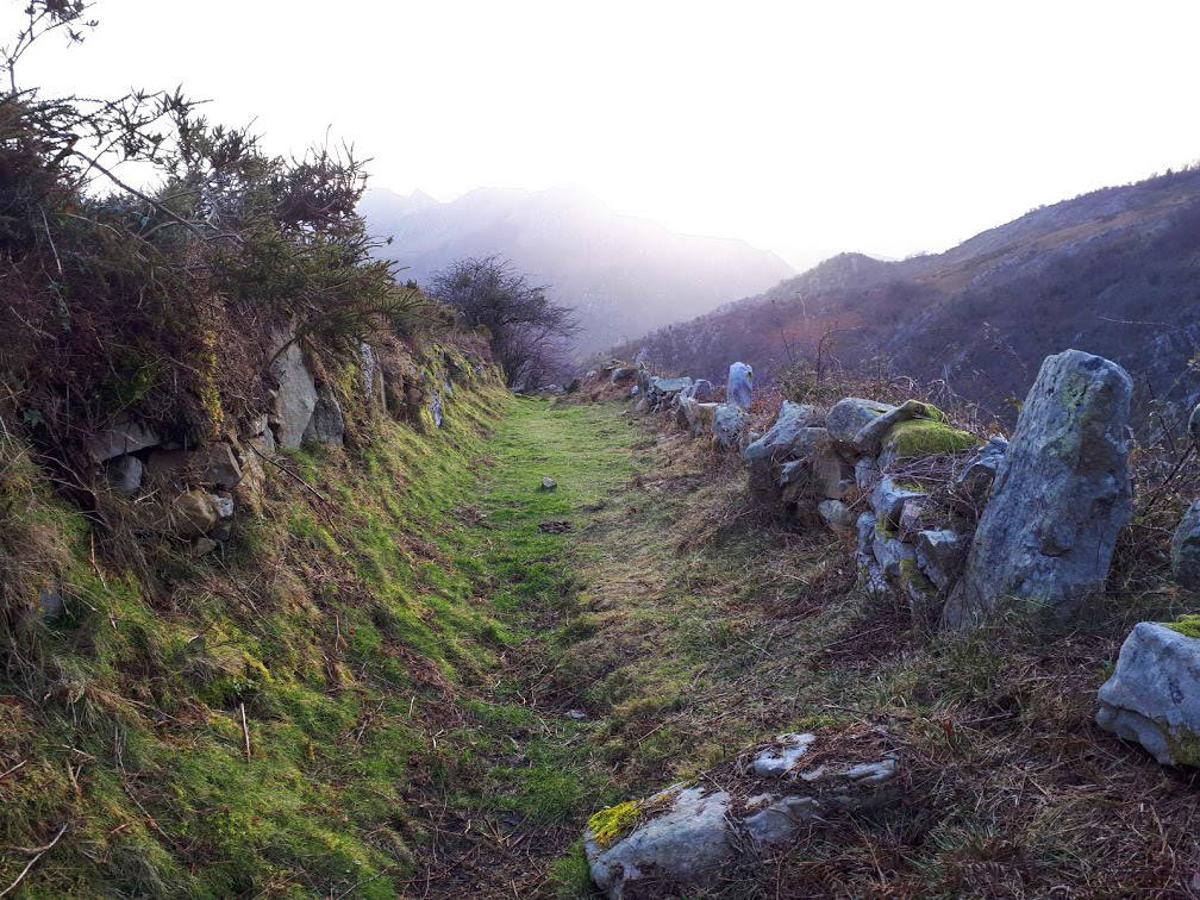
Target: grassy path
x: 646, y: 638
x: 668, y: 625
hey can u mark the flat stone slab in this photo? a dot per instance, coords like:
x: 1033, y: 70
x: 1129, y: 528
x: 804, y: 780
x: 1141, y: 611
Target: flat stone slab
x: 687, y: 835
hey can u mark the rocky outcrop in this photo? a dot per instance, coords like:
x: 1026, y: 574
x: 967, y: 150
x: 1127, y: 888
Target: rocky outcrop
x: 687, y: 836
x: 1061, y: 495
x: 1153, y: 696
x: 1185, y: 550
x: 295, y: 397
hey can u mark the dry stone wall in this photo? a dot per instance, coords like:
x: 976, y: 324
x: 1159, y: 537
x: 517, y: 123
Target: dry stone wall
x: 199, y: 486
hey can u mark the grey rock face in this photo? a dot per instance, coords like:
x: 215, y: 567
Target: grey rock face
x: 549, y: 484
x: 888, y: 500
x: 122, y: 437
x: 1185, y: 549
x: 1194, y: 425
x: 940, y: 556
x: 687, y: 835
x: 866, y: 473
x: 1153, y: 696
x: 1061, y: 496
x: 666, y: 387
x: 780, y: 439
x: 849, y: 416
x: 327, y: 425
x: 701, y: 390
x: 833, y: 477
x: 435, y: 410
x: 980, y: 470
x: 372, y: 375
x: 296, y: 398
x: 729, y: 421
x: 740, y: 385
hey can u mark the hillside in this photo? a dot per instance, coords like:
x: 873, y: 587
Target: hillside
x: 623, y: 275
x: 1114, y: 272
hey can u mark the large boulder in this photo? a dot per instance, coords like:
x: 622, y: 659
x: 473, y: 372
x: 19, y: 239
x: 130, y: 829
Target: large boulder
x: 688, y: 835
x: 849, y: 416
x: 740, y: 385
x: 1185, y: 549
x: 296, y: 397
x: 1061, y: 496
x: 1153, y: 696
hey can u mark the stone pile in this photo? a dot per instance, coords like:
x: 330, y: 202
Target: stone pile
x: 1045, y: 539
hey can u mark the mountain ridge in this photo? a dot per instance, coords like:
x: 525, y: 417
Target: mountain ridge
x: 1090, y: 272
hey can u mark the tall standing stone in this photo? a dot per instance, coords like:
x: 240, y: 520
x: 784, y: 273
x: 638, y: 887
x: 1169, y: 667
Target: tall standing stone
x: 740, y: 385
x: 1061, y: 495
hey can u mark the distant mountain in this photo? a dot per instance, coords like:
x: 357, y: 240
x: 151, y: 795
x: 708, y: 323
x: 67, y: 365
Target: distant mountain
x: 623, y: 275
x: 1114, y: 272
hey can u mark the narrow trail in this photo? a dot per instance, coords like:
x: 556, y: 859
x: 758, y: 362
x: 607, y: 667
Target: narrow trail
x: 656, y: 632
x: 660, y: 623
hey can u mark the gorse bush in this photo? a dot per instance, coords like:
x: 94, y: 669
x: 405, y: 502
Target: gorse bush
x: 115, y: 298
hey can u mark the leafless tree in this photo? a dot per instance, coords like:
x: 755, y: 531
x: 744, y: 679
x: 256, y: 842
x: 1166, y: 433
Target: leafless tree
x: 530, y: 333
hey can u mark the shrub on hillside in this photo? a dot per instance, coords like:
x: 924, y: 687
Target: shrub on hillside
x: 165, y: 302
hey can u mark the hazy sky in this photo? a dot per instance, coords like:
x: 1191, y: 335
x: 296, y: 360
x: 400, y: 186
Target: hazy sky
x: 807, y: 128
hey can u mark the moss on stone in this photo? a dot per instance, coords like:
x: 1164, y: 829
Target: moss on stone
x: 614, y: 822
x: 927, y: 437
x: 1187, y: 625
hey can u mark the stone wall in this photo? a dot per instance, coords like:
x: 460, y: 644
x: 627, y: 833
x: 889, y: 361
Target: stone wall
x: 197, y: 487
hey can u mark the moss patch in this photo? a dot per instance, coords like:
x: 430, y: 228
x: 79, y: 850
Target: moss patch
x: 927, y: 437
x: 1187, y: 625
x: 614, y: 822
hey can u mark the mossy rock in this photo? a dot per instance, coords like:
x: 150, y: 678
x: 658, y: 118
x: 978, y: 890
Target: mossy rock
x: 1188, y: 625
x: 918, y: 438
x: 614, y: 822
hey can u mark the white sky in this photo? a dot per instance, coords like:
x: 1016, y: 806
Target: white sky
x: 806, y: 128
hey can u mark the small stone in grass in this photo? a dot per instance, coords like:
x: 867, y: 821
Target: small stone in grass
x: 549, y: 484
